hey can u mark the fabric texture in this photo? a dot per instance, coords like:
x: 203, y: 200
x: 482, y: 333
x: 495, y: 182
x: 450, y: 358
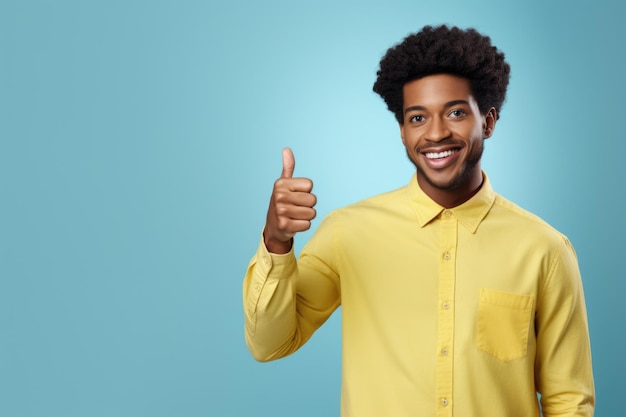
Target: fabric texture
x: 468, y: 311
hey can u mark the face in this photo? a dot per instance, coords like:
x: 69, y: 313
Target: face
x: 443, y: 133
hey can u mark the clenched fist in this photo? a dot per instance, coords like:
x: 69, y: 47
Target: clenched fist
x: 291, y: 207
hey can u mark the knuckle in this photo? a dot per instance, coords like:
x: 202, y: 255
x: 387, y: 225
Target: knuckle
x: 281, y: 184
x: 282, y: 223
x: 280, y: 195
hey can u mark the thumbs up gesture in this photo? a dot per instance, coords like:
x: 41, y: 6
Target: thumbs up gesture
x: 291, y: 207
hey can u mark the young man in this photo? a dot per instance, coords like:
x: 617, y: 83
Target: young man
x: 455, y: 301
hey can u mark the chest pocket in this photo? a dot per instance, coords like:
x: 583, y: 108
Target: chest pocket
x: 504, y: 323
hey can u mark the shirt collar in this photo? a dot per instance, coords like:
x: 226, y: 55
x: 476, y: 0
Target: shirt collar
x: 470, y: 214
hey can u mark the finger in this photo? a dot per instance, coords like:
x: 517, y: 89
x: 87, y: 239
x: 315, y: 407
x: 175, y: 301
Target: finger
x: 293, y: 213
x: 289, y: 163
x: 294, y: 184
x: 301, y: 225
x: 295, y: 226
x: 295, y: 199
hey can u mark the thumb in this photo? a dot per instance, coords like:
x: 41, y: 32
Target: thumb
x: 289, y: 163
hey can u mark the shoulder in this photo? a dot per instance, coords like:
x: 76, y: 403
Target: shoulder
x: 394, y: 201
x: 373, y: 213
x: 530, y: 224
x: 360, y: 222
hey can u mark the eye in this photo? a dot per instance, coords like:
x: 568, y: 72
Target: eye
x: 417, y: 118
x: 457, y: 113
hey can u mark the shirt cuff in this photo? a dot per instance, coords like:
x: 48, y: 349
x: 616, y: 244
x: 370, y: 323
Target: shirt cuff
x: 276, y: 263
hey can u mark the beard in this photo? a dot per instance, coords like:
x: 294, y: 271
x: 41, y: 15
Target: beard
x: 464, y: 176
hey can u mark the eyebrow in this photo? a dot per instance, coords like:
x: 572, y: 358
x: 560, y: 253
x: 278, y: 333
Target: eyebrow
x: 445, y: 106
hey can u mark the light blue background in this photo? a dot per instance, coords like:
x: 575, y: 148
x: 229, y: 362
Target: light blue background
x: 139, y: 144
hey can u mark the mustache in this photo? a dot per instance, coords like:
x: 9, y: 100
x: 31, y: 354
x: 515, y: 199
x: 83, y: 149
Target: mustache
x: 450, y: 143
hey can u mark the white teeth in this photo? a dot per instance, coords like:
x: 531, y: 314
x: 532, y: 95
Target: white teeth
x: 439, y: 155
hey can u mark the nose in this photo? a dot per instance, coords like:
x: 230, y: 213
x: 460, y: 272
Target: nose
x: 437, y: 130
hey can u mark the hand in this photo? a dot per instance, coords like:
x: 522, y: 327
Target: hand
x: 291, y: 207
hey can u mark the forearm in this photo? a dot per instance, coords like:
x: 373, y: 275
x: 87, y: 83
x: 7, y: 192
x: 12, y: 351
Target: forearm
x: 286, y: 301
x: 270, y: 305
x: 563, y: 363
x: 565, y: 373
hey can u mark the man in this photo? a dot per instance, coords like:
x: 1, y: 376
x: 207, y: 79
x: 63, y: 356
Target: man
x: 455, y: 301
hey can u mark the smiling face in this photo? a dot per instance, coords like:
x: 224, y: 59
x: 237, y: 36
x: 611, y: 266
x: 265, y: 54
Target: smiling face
x: 443, y: 133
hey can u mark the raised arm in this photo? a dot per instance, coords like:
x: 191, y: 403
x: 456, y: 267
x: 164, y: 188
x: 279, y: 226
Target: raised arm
x: 285, y: 301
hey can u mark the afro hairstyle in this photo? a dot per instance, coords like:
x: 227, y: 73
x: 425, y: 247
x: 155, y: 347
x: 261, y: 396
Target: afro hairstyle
x: 444, y: 50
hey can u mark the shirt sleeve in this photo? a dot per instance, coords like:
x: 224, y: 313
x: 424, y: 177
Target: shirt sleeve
x: 286, y: 300
x: 563, y: 362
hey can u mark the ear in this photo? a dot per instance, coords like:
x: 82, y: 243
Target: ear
x: 489, y: 122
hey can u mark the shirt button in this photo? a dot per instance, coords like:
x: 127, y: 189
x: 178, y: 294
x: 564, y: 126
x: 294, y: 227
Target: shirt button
x: 444, y: 351
x: 266, y: 260
x: 445, y: 305
x: 447, y: 214
x: 444, y: 402
x: 447, y: 256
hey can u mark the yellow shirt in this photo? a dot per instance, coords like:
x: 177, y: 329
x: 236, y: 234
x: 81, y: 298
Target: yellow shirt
x: 466, y: 312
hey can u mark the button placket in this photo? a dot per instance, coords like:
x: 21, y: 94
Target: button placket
x: 446, y: 323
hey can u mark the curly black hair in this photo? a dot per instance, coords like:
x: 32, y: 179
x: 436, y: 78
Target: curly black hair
x: 444, y: 50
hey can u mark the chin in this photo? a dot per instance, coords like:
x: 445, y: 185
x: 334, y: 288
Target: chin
x: 446, y: 183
